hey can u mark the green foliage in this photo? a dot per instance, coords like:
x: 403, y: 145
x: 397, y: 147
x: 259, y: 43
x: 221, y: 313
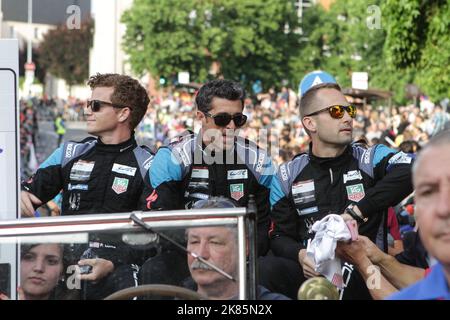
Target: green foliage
x: 257, y: 40
x: 418, y: 38
x: 340, y: 42
x: 65, y: 52
x: 404, y: 31
x: 245, y: 38
x: 433, y: 73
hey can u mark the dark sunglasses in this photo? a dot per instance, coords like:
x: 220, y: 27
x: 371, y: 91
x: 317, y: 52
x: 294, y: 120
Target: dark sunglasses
x: 337, y: 112
x: 95, y: 105
x: 223, y: 119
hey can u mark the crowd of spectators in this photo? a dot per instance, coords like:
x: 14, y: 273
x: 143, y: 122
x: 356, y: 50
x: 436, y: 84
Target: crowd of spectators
x: 274, y: 122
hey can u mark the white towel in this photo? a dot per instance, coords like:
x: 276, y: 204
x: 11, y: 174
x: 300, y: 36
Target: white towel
x: 322, y: 248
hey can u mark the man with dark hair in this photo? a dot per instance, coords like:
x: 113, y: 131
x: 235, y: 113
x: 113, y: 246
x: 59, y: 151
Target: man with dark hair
x: 335, y: 177
x: 215, y: 162
x: 99, y: 175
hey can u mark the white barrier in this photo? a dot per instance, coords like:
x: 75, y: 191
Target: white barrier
x: 9, y: 149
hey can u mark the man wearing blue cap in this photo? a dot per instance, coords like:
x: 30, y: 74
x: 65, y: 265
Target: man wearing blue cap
x: 334, y: 177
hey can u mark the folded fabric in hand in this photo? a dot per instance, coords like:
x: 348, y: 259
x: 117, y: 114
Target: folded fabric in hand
x: 322, y: 248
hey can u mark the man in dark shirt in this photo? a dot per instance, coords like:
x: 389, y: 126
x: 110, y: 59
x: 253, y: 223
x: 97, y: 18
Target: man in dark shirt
x: 334, y: 177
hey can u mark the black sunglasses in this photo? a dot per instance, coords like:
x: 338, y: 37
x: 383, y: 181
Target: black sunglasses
x: 337, y: 112
x: 223, y: 119
x: 95, y: 105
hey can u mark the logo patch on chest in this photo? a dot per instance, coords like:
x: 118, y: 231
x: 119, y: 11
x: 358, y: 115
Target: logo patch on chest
x: 237, y: 174
x: 123, y: 169
x: 303, y: 191
x: 237, y: 191
x: 352, y: 175
x: 355, y: 192
x: 120, y: 185
x: 200, y: 173
x: 81, y: 170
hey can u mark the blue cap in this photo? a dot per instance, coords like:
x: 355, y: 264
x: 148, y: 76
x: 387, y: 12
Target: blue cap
x: 312, y: 79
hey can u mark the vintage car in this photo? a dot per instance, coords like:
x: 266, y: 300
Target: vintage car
x: 140, y: 233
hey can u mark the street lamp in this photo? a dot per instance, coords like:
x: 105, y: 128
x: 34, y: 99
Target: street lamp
x: 29, y: 65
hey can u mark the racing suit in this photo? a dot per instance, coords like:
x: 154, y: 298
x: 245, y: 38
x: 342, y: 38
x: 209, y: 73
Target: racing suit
x: 187, y: 171
x: 308, y: 188
x: 97, y: 178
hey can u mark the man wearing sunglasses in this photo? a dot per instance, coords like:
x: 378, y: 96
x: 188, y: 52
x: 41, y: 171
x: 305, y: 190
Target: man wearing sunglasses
x: 334, y: 177
x: 216, y: 161
x: 107, y: 173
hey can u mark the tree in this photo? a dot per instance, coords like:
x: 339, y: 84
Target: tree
x: 347, y: 38
x: 64, y: 52
x: 248, y: 39
x: 418, y: 38
x: 340, y: 41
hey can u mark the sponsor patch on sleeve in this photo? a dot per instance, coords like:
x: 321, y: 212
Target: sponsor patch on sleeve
x: 399, y: 158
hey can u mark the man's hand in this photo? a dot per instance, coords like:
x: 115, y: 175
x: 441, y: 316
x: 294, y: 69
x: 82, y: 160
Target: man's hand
x: 27, y: 200
x: 372, y: 251
x: 307, y: 264
x: 54, y: 209
x: 100, y: 268
x: 353, y: 252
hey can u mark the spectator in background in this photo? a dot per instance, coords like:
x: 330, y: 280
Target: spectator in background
x: 395, y: 243
x: 60, y: 128
x: 439, y: 120
x: 42, y: 268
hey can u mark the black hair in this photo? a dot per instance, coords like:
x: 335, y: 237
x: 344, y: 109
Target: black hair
x: 220, y: 88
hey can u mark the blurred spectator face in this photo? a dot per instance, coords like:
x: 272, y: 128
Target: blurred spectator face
x: 432, y: 185
x: 40, y: 270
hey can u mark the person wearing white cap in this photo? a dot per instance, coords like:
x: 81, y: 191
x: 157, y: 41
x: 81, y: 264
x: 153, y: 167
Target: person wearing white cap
x: 334, y: 177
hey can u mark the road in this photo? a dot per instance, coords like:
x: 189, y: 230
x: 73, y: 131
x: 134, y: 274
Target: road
x: 47, y: 139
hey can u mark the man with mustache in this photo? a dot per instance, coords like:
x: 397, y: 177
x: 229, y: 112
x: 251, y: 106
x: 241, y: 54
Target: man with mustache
x: 219, y: 246
x: 334, y: 177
